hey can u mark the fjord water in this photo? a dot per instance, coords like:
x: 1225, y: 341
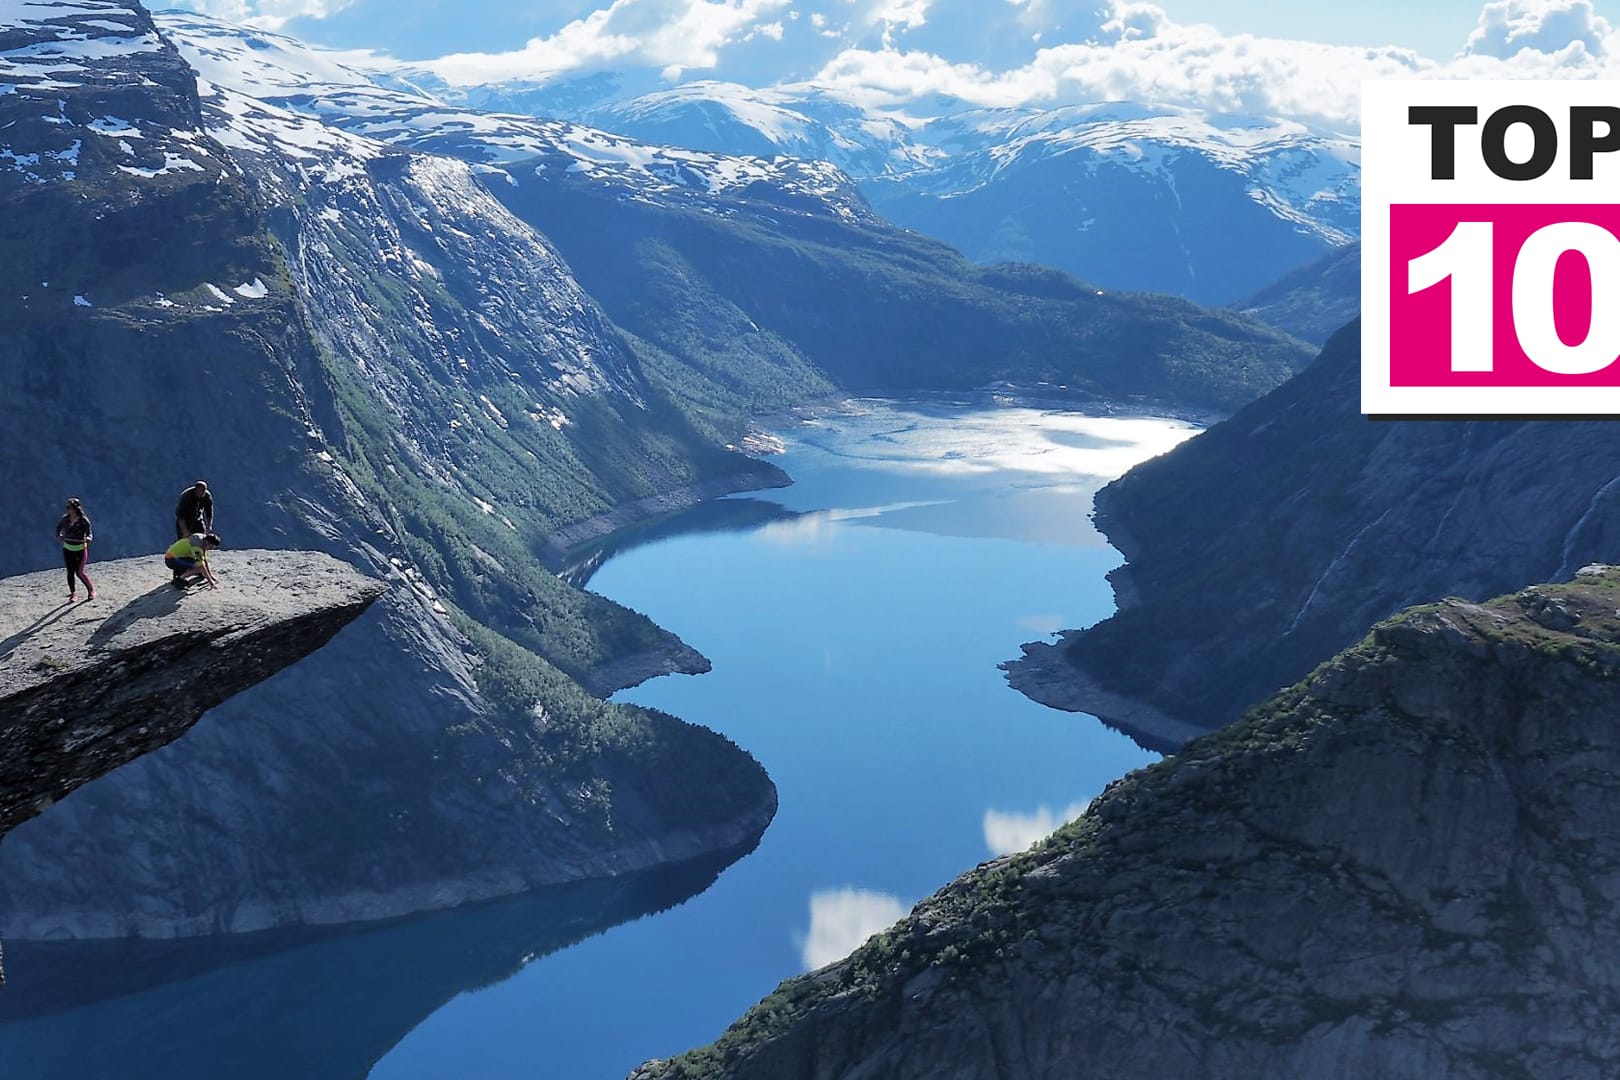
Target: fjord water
x: 854, y: 621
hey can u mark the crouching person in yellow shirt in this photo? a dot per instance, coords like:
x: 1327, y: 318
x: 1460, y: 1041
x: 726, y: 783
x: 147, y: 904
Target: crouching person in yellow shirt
x: 188, y: 558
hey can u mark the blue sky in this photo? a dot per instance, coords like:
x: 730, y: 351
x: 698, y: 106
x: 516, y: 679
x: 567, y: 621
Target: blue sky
x: 1250, y: 56
x: 419, y: 29
x: 1435, y: 28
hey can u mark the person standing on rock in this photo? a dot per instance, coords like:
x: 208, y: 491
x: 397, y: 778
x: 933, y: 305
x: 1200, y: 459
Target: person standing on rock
x: 194, y: 513
x: 73, y: 530
x: 188, y: 558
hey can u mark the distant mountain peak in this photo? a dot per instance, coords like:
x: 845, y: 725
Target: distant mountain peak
x: 379, y: 101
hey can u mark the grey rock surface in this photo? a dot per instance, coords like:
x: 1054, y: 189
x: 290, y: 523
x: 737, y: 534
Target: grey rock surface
x: 88, y: 686
x: 1406, y: 867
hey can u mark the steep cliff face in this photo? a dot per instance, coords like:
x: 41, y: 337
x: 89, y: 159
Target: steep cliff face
x: 205, y: 285
x: 1262, y: 546
x: 787, y: 289
x: 1404, y: 867
x: 367, y: 353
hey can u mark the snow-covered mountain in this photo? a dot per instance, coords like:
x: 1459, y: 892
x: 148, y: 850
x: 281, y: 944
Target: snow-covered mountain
x: 85, y: 52
x: 1304, y: 175
x: 1159, y: 198
x: 1130, y: 196
x: 805, y: 122
x: 385, y: 104
x: 1138, y: 197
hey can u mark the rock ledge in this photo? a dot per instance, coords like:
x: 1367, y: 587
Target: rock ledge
x: 85, y: 688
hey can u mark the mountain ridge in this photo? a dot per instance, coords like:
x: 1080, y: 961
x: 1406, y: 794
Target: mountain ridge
x: 982, y: 180
x: 1114, y: 192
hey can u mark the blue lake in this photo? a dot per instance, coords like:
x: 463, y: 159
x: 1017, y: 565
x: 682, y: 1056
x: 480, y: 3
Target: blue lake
x: 855, y: 621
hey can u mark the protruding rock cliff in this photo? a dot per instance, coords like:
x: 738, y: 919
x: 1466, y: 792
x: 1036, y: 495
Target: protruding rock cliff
x: 87, y: 687
x: 1405, y: 867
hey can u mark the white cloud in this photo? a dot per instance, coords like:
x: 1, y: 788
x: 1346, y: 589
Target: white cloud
x: 1130, y: 21
x: 1008, y: 832
x: 1141, y: 54
x: 1509, y: 27
x: 672, y: 35
x: 842, y: 919
x: 894, y: 16
x: 1127, y: 50
x: 267, y: 14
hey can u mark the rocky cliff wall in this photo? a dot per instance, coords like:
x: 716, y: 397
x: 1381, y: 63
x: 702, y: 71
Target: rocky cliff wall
x: 1276, y: 538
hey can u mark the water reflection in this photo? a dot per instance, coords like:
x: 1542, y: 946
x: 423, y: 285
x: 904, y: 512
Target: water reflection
x: 280, y: 1005
x: 944, y: 440
x: 718, y: 516
x: 860, y: 670
x: 1007, y: 832
x: 842, y: 919
x: 1011, y: 472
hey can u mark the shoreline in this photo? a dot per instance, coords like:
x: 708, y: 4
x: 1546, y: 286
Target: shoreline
x: 69, y: 974
x: 565, y: 542
x: 624, y: 672
x: 1044, y: 675
x: 1045, y: 398
x: 356, y: 910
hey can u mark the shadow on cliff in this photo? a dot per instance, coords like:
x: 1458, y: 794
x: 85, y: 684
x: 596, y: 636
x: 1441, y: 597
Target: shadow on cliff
x: 152, y: 604
x: 35, y: 627
x: 316, y: 1004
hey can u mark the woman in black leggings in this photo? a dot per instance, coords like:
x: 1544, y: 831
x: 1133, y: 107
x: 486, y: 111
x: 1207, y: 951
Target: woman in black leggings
x: 74, y: 532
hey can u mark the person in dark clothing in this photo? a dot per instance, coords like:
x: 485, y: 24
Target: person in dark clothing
x: 73, y: 530
x: 194, y: 513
